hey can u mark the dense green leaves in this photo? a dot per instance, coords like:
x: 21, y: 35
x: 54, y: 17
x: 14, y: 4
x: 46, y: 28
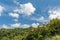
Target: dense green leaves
x: 40, y: 33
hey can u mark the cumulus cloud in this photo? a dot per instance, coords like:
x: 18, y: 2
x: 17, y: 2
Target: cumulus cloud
x: 1, y: 9
x: 15, y: 20
x: 35, y: 25
x: 25, y: 26
x: 26, y: 9
x: 19, y: 25
x: 14, y: 15
x: 40, y: 19
x: 17, y: 3
x: 4, y: 26
x: 54, y: 13
x: 16, y: 25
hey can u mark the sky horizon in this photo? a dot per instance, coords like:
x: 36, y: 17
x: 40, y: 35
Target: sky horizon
x: 26, y: 13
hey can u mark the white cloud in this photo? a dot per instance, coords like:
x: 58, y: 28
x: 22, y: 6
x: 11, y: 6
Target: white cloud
x: 19, y: 25
x: 35, y: 25
x: 25, y: 26
x: 4, y: 26
x: 15, y: 15
x: 17, y: 3
x: 16, y: 25
x: 17, y: 10
x: 54, y: 13
x: 15, y: 20
x: 40, y: 19
x: 1, y: 9
x: 26, y: 9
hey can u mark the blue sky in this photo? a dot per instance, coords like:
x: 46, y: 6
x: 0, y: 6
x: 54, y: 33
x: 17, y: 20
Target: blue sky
x: 25, y: 13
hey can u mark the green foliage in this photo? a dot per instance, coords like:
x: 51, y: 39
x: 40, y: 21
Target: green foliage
x: 40, y: 33
x: 48, y: 30
x: 54, y: 26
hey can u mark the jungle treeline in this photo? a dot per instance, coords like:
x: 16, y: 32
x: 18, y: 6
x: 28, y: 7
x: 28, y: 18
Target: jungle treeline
x: 43, y: 32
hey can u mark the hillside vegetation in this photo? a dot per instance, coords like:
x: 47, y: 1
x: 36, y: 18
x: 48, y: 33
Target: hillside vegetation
x: 49, y: 31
